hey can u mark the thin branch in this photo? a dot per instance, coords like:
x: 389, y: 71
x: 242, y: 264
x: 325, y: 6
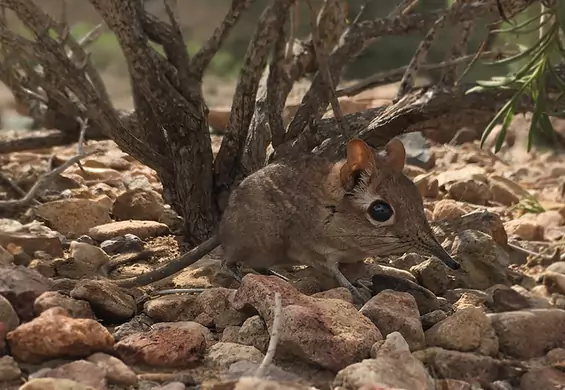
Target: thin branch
x: 390, y: 76
x: 458, y: 48
x: 44, y: 180
x: 275, y: 335
x: 326, y: 72
x: 203, y: 57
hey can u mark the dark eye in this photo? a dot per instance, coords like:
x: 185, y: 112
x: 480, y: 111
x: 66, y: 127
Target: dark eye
x: 380, y: 211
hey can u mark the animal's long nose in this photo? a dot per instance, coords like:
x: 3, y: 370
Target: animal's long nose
x: 442, y: 254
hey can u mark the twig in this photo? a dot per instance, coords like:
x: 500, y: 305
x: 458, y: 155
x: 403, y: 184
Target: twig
x: 404, y: 7
x: 458, y: 49
x: 4, y: 179
x: 391, y: 75
x: 326, y: 72
x: 293, y: 21
x: 45, y: 179
x: 275, y: 335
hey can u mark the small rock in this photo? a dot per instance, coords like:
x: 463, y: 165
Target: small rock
x: 447, y: 209
x: 163, y: 347
x: 483, y: 262
x: 393, y: 311
x: 73, y: 216
x: 505, y: 191
x: 468, y: 300
x: 56, y: 335
x: 452, y: 384
x: 86, y: 239
x: 427, y: 185
x: 529, y: 333
x: 8, y: 315
x: 407, y: 260
x: 9, y: 369
x: 556, y: 355
x: 335, y: 293
x: 187, y: 325
x: 430, y: 319
x: 558, y: 266
x: 543, y: 379
x: 88, y: 254
x: 328, y: 332
x: 141, y: 229
x: 138, y: 204
x: 46, y: 240
x: 425, y: 299
x: 460, y: 365
x: 254, y: 332
x: 122, y: 244
x: 525, y: 229
x: 54, y: 384
x: 81, y: 371
x: 466, y: 330
x: 108, y: 300
x: 469, y: 172
x: 138, y: 324
x: 215, y: 305
x: 507, y: 299
x: 394, y: 367
x: 21, y: 286
x: 76, y: 308
x: 117, y: 372
x: 223, y: 355
x: 168, y: 308
x: 471, y: 191
x: 6, y: 258
x: 433, y: 275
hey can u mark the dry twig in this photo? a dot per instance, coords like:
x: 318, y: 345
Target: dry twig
x: 275, y: 335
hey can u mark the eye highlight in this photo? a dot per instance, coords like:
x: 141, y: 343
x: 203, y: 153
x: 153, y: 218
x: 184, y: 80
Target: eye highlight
x: 380, y: 211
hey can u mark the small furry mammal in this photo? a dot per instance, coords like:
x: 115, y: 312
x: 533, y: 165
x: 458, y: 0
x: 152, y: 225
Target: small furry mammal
x: 321, y: 213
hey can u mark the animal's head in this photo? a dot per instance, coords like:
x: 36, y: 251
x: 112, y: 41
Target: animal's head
x: 382, y: 210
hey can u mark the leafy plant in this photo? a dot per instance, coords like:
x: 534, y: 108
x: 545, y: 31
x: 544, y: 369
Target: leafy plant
x: 533, y: 65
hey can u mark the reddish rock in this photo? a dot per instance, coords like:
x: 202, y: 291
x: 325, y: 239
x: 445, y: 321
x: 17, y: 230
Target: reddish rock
x: 21, y: 286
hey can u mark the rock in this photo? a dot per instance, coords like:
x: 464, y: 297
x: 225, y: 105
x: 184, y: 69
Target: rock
x: 328, y: 332
x: 21, y: 286
x: 138, y: 204
x: 507, y: 299
x: 425, y: 299
x: 141, y: 229
x: 556, y: 355
x: 543, y: 379
x: 81, y: 371
x: 170, y: 308
x: 163, y: 347
x: 54, y: 384
x: 8, y: 315
x: 447, y: 209
x: 482, y: 221
x: 483, y: 262
x: 471, y: 191
x: 433, y: 275
x: 554, y: 282
x: 466, y: 330
x: 452, y: 384
x: 558, y: 266
x: 335, y: 293
x: 407, y: 260
x: 469, y: 172
x: 56, y: 335
x: 393, y: 311
x: 108, y: 300
x: 122, y: 244
x: 9, y: 369
x: 138, y: 324
x: 529, y: 333
x: 460, y: 365
x: 47, y: 241
x: 88, y: 254
x: 427, y: 185
x: 394, y: 367
x: 117, y: 372
x: 254, y: 383
x: 525, y: 230
x: 223, y: 355
x: 187, y: 325
x: 76, y: 308
x: 6, y: 258
x: 418, y: 152
x: 468, y: 300
x: 216, y: 308
x: 550, y: 219
x: 73, y: 216
x: 430, y: 319
x: 254, y: 332
x: 505, y: 191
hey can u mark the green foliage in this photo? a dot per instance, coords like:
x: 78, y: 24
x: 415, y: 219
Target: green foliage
x: 535, y: 35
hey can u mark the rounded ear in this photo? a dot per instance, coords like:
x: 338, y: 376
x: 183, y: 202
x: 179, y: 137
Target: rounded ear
x: 360, y: 157
x: 395, y: 154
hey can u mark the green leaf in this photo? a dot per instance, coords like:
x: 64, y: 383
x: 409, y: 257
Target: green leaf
x: 514, y: 29
x: 505, y: 125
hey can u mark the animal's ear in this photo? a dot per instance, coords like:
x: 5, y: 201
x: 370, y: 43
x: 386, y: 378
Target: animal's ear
x: 395, y: 154
x: 359, y: 158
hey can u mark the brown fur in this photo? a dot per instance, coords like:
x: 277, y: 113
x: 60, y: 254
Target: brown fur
x: 311, y: 212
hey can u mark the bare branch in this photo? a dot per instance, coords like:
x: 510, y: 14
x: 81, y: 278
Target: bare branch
x: 268, y: 26
x: 274, y: 340
x: 210, y: 48
x: 458, y: 48
x: 324, y: 68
